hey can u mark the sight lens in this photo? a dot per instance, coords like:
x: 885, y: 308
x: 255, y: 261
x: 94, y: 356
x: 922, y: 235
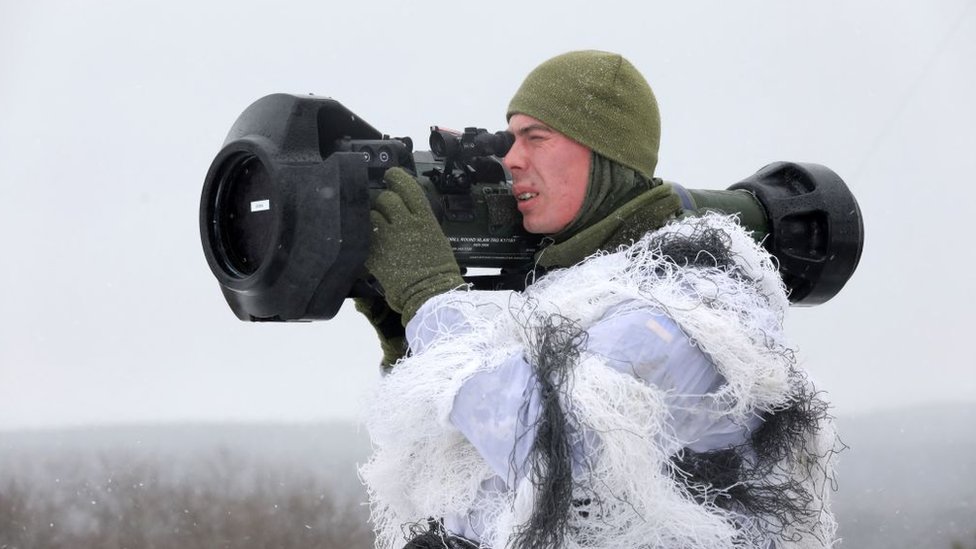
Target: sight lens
x: 243, y: 215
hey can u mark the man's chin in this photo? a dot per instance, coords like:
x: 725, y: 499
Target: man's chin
x: 532, y: 226
x: 535, y: 227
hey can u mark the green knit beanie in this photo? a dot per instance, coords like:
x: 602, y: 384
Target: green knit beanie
x: 599, y: 100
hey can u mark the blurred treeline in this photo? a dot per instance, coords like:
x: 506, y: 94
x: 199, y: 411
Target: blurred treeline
x: 144, y: 504
x: 184, y: 487
x: 907, y: 481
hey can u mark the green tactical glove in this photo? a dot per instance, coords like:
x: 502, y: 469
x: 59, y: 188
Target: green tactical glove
x: 409, y: 254
x: 387, y: 324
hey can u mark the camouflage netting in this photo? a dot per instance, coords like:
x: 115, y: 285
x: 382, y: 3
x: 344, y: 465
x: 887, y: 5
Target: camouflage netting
x: 605, y: 470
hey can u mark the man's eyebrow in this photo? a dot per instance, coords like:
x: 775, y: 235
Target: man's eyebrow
x: 533, y: 127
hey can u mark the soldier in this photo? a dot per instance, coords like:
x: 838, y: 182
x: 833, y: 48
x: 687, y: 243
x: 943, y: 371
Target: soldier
x: 639, y: 393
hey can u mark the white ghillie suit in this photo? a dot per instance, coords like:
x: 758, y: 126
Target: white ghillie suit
x: 642, y: 398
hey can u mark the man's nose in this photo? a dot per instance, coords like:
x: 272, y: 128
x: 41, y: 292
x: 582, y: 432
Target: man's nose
x: 515, y: 158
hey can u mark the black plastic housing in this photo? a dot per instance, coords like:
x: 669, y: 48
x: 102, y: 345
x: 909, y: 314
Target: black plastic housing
x: 816, y: 231
x: 318, y: 204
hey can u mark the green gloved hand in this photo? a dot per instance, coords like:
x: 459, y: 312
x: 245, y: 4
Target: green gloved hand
x: 409, y: 254
x: 386, y: 322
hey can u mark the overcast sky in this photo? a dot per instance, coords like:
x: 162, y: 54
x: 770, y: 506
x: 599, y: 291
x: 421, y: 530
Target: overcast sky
x: 111, y: 112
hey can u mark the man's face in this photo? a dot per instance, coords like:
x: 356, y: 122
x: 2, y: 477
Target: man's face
x: 550, y: 173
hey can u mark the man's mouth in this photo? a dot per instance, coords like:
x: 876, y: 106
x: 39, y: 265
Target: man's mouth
x: 526, y: 196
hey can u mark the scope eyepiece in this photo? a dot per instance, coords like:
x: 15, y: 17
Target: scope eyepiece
x: 497, y: 144
x: 472, y: 143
